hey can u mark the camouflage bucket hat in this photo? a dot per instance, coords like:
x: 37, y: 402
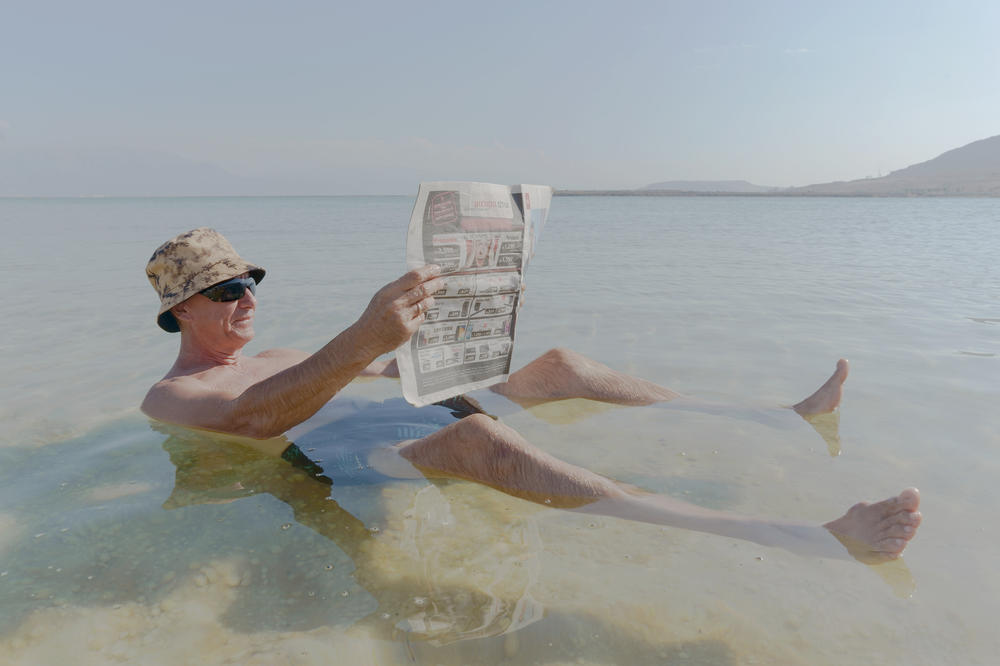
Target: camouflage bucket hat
x: 189, y: 263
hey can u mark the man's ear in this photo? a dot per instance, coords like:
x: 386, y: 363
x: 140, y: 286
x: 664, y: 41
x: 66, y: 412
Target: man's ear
x: 180, y: 312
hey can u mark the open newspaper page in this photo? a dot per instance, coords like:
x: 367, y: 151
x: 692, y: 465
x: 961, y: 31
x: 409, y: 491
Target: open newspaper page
x: 535, y: 201
x: 482, y: 235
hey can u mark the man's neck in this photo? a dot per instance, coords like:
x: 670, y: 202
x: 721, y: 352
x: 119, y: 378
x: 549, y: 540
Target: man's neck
x: 194, y: 357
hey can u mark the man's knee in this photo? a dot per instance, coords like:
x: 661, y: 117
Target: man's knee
x: 561, y: 356
x: 557, y: 364
x: 494, y: 448
x: 475, y: 427
x: 553, y: 376
x: 457, y: 448
x: 479, y: 437
x: 562, y: 366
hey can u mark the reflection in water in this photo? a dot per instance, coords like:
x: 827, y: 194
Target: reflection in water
x: 439, y: 609
x: 828, y: 427
x: 431, y: 594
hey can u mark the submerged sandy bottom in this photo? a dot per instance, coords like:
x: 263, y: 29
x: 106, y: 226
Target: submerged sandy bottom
x: 454, y: 573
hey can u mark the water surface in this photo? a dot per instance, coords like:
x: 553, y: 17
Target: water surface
x: 121, y: 541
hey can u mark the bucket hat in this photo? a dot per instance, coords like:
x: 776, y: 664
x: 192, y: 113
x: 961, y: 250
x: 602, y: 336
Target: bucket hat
x: 189, y: 263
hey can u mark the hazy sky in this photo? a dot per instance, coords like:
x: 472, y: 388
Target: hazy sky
x: 371, y: 97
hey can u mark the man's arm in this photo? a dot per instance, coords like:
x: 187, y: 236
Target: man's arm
x: 273, y: 405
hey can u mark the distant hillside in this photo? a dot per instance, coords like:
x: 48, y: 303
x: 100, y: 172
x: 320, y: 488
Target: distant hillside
x: 972, y: 170
x: 734, y: 186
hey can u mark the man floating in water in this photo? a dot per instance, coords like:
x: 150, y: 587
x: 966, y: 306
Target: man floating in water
x: 208, y: 293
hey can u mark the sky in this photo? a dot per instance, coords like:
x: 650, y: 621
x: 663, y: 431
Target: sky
x: 373, y: 97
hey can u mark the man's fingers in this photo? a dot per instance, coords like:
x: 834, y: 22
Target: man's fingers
x: 423, y: 306
x: 419, y: 276
x: 398, y: 309
x: 422, y: 291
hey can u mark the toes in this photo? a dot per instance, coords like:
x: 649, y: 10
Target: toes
x: 906, y: 501
x: 910, y: 499
x: 907, y: 518
x: 901, y: 531
x: 892, y: 546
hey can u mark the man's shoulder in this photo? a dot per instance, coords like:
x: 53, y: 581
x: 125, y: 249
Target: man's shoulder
x: 169, y: 387
x: 175, y: 382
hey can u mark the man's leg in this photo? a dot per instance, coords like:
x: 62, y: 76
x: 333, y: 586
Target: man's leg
x: 560, y: 374
x: 486, y: 451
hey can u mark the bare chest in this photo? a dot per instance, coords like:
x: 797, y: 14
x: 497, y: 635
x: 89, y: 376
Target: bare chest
x: 234, y: 379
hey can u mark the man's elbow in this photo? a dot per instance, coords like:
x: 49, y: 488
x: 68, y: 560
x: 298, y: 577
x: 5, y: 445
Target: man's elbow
x: 256, y: 426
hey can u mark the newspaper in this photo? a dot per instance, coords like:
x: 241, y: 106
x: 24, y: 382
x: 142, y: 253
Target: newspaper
x: 482, y: 235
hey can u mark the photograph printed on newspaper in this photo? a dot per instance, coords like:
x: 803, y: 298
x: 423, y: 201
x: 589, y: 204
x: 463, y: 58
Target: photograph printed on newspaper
x: 482, y: 236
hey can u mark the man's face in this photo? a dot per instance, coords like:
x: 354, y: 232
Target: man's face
x: 227, y: 323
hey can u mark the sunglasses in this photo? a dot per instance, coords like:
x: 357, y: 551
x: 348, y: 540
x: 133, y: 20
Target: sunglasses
x: 230, y: 290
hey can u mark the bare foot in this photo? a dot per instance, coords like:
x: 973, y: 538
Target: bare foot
x: 827, y: 397
x: 878, y: 532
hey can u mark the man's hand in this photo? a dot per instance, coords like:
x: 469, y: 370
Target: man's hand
x: 397, y: 309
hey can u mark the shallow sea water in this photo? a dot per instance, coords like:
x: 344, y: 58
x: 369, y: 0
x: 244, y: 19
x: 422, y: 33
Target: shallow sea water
x: 123, y: 542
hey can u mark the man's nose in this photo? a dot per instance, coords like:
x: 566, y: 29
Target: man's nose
x: 248, y: 299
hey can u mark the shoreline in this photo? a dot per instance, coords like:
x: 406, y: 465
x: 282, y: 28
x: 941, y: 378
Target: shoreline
x: 683, y: 193
x: 556, y: 193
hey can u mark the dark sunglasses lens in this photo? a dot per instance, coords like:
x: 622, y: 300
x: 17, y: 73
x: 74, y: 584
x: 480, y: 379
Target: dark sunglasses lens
x: 232, y: 290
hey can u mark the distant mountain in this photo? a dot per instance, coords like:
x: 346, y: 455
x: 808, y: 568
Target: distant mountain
x: 972, y: 170
x: 733, y: 186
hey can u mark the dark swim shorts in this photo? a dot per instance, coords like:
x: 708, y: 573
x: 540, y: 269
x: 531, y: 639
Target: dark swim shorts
x: 337, y: 452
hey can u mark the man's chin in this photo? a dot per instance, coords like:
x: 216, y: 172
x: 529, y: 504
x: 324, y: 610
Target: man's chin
x: 243, y: 330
